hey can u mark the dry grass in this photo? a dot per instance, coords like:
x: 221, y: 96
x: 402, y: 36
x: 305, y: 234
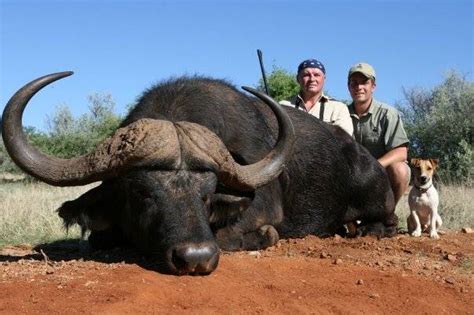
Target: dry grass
x: 456, y: 207
x: 27, y: 212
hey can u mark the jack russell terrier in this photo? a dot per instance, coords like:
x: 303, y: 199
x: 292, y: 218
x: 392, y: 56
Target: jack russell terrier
x: 423, y: 200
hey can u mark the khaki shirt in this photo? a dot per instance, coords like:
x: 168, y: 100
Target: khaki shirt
x: 335, y: 112
x: 380, y: 129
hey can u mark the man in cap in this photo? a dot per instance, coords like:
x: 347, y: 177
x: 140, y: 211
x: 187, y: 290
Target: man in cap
x: 311, y: 76
x: 378, y: 127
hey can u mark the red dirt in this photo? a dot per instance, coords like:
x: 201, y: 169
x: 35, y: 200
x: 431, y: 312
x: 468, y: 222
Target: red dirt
x: 299, y: 276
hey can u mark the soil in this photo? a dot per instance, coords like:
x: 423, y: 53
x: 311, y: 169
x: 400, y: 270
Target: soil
x: 297, y: 276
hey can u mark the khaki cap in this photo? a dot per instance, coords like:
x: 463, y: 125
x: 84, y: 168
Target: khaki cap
x: 364, y: 68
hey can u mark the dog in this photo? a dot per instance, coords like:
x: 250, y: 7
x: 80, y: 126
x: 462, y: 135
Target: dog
x: 423, y: 199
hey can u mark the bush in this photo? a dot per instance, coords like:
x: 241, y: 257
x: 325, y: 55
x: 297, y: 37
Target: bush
x: 72, y: 137
x: 439, y: 124
x: 281, y: 84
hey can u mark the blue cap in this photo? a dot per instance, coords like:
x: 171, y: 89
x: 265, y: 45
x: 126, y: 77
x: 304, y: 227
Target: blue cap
x: 311, y: 63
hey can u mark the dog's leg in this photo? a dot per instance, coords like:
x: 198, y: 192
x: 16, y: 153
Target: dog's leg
x: 439, y: 221
x: 414, y: 225
x: 435, y: 222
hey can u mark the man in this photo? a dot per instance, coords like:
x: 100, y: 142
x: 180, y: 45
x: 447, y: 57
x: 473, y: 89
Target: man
x: 378, y: 127
x: 311, y: 76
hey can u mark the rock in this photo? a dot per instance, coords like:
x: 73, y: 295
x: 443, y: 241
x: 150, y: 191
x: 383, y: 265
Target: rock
x: 374, y: 295
x: 49, y: 271
x: 467, y: 230
x: 255, y: 254
x: 449, y: 280
x: 360, y: 282
x: 338, y: 261
x: 450, y: 257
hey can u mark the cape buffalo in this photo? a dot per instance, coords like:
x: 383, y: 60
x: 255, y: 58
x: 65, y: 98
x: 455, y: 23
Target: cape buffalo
x: 198, y: 165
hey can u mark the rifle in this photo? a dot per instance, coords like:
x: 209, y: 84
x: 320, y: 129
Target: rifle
x: 260, y: 59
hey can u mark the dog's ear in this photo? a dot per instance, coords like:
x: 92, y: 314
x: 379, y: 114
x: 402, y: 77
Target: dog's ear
x: 415, y: 162
x: 434, y: 162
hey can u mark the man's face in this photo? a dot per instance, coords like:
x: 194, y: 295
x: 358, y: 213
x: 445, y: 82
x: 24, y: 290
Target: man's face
x: 311, y: 81
x: 361, y: 88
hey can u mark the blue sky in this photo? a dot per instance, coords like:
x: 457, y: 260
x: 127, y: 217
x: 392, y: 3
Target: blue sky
x: 123, y: 47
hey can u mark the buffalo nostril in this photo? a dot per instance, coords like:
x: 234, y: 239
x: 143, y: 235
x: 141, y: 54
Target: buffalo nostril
x: 195, y: 258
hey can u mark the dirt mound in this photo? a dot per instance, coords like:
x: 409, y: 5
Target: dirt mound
x: 304, y: 276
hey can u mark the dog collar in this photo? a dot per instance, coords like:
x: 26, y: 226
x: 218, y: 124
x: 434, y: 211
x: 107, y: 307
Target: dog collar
x: 423, y: 190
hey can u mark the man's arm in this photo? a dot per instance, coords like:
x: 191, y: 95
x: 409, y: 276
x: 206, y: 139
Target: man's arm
x: 398, y: 154
x: 342, y: 118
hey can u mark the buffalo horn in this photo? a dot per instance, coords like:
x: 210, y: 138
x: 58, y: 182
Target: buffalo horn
x: 140, y: 141
x: 262, y: 172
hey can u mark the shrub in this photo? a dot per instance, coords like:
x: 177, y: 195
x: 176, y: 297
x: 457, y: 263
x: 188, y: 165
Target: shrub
x: 281, y: 84
x: 440, y: 124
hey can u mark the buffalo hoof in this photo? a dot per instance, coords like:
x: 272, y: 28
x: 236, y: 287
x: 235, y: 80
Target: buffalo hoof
x: 229, y: 240
x: 351, y: 229
x: 264, y: 237
x: 376, y: 229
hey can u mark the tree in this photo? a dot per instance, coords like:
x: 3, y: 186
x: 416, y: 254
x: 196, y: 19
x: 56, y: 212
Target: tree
x: 440, y: 124
x: 71, y: 137
x: 62, y: 121
x: 281, y: 84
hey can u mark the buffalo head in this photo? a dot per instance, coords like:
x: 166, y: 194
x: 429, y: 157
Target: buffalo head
x: 164, y: 183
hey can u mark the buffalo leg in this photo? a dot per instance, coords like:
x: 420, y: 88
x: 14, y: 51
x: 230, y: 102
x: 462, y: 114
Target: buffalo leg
x: 264, y: 237
x: 255, y: 228
x: 230, y: 239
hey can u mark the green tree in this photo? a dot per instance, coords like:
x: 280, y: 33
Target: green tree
x: 281, y: 84
x: 62, y: 121
x: 36, y: 137
x: 440, y: 124
x: 71, y: 137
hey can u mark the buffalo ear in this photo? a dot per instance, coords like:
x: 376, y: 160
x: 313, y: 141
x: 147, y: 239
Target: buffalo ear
x: 91, y: 210
x: 89, y: 218
x: 226, y: 209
